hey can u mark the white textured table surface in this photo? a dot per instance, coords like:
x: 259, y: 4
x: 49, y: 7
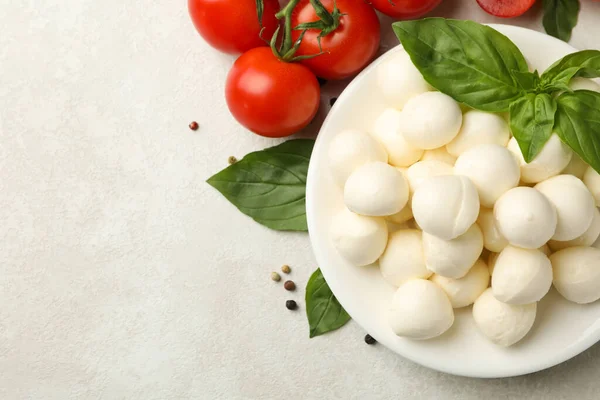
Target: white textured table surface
x: 123, y: 275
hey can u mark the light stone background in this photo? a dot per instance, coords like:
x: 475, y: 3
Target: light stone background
x: 123, y: 275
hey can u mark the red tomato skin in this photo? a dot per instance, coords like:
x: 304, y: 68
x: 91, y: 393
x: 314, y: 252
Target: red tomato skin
x: 270, y: 97
x: 231, y: 26
x: 405, y: 9
x: 505, y: 9
x: 349, y: 48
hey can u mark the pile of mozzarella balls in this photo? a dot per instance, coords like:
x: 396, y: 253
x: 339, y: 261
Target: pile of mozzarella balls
x: 442, y: 199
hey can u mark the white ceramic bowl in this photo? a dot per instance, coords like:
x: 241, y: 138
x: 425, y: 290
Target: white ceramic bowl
x: 562, y: 329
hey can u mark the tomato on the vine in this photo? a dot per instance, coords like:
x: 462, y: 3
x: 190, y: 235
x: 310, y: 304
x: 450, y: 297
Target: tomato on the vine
x: 232, y: 26
x: 405, y: 9
x: 269, y: 96
x: 351, y: 43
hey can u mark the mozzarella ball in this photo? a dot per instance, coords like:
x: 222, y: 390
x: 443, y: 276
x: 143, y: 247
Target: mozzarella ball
x: 439, y: 154
x: 446, y: 206
x: 359, y: 239
x: 420, y: 171
x: 453, y: 258
x: 584, y: 84
x: 576, y: 167
x: 492, y: 169
x: 591, y: 179
x: 399, y: 80
x: 492, y: 258
x: 387, y: 131
x: 577, y: 273
x: 349, y: 150
x: 503, y: 324
x: 573, y: 202
x: 479, y: 127
x: 420, y: 310
x: 521, y: 276
x: 525, y: 217
x: 376, y: 189
x: 587, y: 239
x: 553, y: 158
x: 403, y: 257
x: 464, y: 291
x: 431, y: 120
x: 401, y: 216
x: 492, y: 238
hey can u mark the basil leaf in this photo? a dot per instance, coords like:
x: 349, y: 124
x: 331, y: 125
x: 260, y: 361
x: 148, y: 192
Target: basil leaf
x: 324, y: 312
x: 560, y: 17
x: 270, y: 185
x: 578, y: 124
x: 526, y: 80
x: 584, y: 64
x: 531, y: 122
x: 561, y: 81
x: 468, y: 61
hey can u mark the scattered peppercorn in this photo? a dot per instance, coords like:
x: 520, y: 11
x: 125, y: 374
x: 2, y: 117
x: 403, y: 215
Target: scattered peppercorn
x: 291, y: 305
x: 321, y: 81
x: 275, y: 276
x: 289, y: 285
x: 194, y: 125
x: 370, y: 340
x: 286, y: 269
x: 332, y: 101
x: 232, y: 160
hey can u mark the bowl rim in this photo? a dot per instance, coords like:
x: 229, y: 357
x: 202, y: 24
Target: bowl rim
x: 538, y: 364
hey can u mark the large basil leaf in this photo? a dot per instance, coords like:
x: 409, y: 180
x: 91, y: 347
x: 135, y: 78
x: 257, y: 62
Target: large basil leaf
x: 578, y: 124
x: 468, y: 61
x: 270, y: 185
x: 584, y: 64
x: 560, y: 17
x: 324, y: 312
x: 531, y: 122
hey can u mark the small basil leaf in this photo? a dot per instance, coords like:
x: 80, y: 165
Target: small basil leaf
x: 270, y: 185
x: 586, y: 64
x: 531, y: 122
x: 561, y: 80
x: 526, y: 80
x: 468, y: 61
x: 560, y: 17
x: 578, y: 124
x: 324, y: 312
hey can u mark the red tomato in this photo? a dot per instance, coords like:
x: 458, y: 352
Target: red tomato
x: 231, y: 26
x: 271, y: 97
x: 405, y: 9
x: 505, y: 8
x: 349, y: 48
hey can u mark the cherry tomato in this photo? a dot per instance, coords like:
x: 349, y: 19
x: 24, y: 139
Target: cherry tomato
x: 232, y: 26
x: 405, y: 9
x: 349, y: 48
x: 271, y: 97
x: 504, y: 8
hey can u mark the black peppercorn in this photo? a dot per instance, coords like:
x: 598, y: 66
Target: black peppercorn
x: 370, y: 340
x: 291, y: 305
